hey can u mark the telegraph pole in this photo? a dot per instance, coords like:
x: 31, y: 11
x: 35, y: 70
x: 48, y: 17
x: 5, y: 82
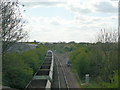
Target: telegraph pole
x: 0, y: 46
x: 119, y: 17
x: 119, y: 22
x: 118, y: 43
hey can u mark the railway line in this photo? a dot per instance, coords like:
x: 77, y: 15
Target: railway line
x: 53, y: 73
x: 62, y: 80
x: 72, y: 82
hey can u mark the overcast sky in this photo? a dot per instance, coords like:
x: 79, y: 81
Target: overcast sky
x: 69, y: 20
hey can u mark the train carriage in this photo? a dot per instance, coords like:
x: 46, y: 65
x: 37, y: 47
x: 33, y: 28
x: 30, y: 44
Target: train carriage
x: 43, y: 77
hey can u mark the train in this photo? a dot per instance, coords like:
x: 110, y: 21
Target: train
x: 44, y: 76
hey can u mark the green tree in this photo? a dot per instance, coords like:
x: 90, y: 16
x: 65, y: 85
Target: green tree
x: 15, y: 72
x: 18, y: 68
x: 113, y: 81
x: 80, y: 61
x: 12, y: 24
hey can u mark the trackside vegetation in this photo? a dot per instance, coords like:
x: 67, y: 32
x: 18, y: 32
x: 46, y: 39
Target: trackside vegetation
x: 19, y: 68
x: 100, y: 61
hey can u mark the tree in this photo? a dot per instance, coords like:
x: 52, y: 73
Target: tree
x: 80, y: 60
x: 108, y: 44
x: 15, y: 71
x: 107, y: 37
x: 12, y: 24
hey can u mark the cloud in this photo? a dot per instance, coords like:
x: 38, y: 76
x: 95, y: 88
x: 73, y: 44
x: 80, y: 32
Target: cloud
x: 92, y: 6
x: 83, y: 27
x: 105, y: 7
x: 80, y: 9
x: 38, y: 3
x: 77, y: 6
x: 55, y: 23
x: 57, y: 28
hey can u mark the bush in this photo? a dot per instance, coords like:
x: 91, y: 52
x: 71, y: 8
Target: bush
x: 80, y: 61
x: 18, y: 68
x: 96, y: 61
x: 113, y: 81
x: 15, y: 72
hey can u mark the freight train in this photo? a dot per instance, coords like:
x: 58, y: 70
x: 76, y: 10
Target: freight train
x: 44, y: 76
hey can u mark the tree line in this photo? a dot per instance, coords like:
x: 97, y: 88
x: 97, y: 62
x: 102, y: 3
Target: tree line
x: 99, y: 60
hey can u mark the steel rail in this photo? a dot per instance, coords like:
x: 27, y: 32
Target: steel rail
x: 66, y: 82
x: 58, y: 73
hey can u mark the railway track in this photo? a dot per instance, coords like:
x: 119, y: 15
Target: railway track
x: 69, y: 76
x: 62, y: 80
x: 44, y: 77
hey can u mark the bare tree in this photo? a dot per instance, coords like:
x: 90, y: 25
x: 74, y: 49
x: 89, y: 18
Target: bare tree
x: 12, y: 24
x: 107, y: 37
x: 107, y: 41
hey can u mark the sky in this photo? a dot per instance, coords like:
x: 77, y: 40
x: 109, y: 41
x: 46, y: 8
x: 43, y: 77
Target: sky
x: 69, y: 20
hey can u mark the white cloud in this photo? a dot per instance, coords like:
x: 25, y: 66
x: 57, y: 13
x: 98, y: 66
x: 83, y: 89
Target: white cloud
x: 92, y: 6
x: 79, y: 6
x: 105, y: 7
x: 83, y: 27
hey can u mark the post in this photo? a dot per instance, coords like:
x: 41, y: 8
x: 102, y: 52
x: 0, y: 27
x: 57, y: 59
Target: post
x: 0, y: 47
x: 119, y: 38
x: 119, y: 17
x: 87, y: 79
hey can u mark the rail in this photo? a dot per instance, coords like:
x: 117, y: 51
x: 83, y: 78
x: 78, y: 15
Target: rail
x: 66, y: 82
